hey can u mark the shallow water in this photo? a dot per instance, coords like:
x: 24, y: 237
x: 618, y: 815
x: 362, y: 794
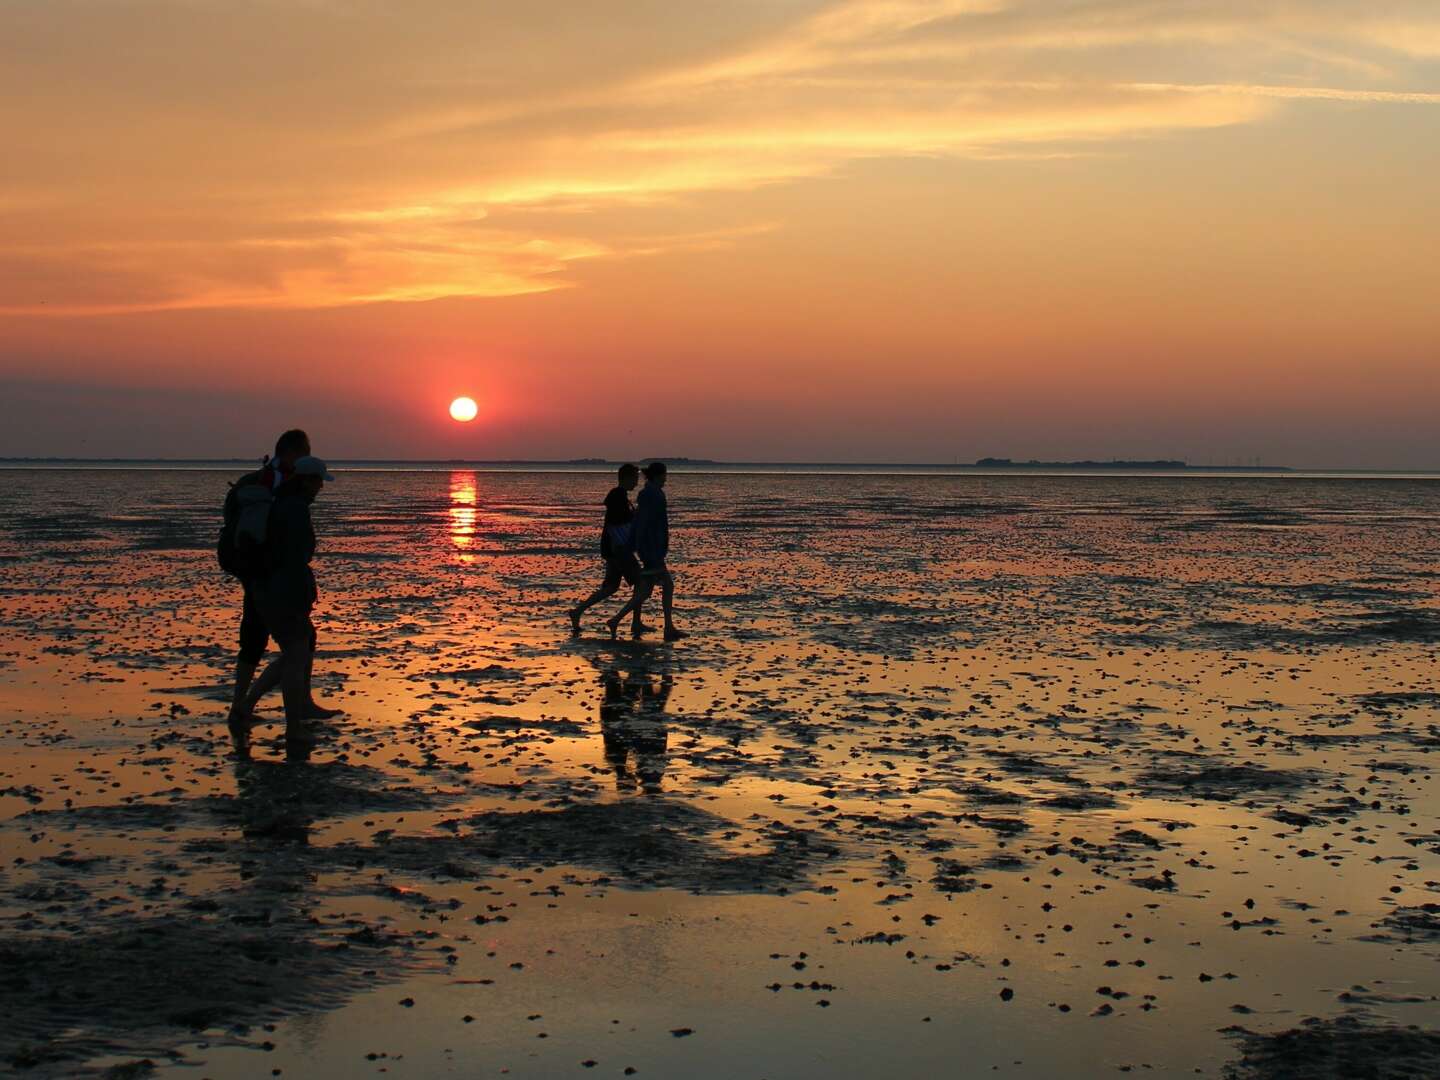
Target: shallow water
x: 1039, y: 775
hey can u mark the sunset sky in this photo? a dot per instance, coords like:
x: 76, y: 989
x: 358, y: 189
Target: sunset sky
x: 875, y: 230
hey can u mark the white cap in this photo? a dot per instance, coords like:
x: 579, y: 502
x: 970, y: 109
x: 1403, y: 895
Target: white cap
x: 311, y: 466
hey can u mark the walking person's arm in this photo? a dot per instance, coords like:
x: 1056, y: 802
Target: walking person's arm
x: 645, y: 530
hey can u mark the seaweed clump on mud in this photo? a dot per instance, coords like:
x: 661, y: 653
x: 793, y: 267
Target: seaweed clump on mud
x: 1345, y: 1048
x: 1215, y: 781
x: 651, y: 844
x: 656, y: 843
x: 1409, y: 924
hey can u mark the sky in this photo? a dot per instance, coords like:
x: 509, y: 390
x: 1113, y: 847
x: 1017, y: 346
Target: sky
x: 775, y: 230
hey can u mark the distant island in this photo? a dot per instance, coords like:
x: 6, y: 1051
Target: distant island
x: 638, y: 461
x: 1007, y: 463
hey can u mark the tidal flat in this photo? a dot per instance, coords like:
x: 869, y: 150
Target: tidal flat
x: 957, y: 775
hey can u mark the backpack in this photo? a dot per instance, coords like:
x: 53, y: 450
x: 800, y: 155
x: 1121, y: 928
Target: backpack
x: 241, y: 549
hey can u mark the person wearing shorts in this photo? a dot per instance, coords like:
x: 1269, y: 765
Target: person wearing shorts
x: 650, y: 539
x: 286, y: 595
x: 254, y: 637
x: 617, y: 549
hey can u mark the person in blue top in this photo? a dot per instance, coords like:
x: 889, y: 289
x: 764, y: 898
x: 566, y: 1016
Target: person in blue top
x: 650, y: 536
x: 616, y: 549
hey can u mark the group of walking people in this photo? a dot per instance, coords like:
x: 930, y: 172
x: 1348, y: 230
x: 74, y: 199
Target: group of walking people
x: 635, y: 542
x: 267, y: 542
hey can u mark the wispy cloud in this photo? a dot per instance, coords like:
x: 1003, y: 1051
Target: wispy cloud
x: 374, y: 265
x: 1293, y: 93
x: 347, y: 152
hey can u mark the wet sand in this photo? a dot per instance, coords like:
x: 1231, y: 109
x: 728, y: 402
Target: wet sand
x: 1028, y: 775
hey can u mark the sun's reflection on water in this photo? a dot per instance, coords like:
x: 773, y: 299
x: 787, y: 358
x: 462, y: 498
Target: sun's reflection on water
x: 463, y: 513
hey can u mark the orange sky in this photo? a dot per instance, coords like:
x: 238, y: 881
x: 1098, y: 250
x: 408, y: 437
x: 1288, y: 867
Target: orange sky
x: 778, y: 230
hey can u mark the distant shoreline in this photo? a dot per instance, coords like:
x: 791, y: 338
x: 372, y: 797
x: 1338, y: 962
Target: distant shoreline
x: 985, y: 466
x: 1159, y: 465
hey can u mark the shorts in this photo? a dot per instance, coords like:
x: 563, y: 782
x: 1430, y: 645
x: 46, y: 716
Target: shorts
x: 620, y: 567
x: 289, y: 627
x: 255, y: 630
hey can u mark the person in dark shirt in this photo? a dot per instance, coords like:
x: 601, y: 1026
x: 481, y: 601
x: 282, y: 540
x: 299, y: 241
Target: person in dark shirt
x: 254, y: 637
x: 286, y: 594
x: 616, y: 548
x: 651, y: 541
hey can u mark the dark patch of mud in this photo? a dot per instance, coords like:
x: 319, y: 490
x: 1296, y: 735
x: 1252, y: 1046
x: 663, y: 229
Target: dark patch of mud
x: 502, y: 725
x: 68, y: 998
x: 1206, y: 779
x: 1409, y: 924
x: 645, y: 843
x: 1342, y: 592
x: 1420, y: 626
x: 267, y: 793
x: 1385, y: 702
x: 1344, y: 1048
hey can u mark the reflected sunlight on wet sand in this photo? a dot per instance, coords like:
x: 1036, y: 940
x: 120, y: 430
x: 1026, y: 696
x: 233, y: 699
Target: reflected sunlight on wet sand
x: 1050, y: 775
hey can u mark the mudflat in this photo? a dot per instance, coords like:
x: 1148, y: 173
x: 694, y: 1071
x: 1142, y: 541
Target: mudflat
x: 1029, y: 775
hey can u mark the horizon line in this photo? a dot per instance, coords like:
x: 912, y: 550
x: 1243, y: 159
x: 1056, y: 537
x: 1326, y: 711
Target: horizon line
x: 684, y: 464
x: 1173, y: 464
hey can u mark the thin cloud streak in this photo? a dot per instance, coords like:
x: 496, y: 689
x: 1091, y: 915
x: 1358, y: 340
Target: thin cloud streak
x: 1294, y: 93
x: 294, y: 273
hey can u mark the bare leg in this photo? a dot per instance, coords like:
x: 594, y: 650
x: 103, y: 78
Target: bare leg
x: 313, y: 709
x: 604, y: 591
x: 269, y: 679
x: 295, y: 635
x: 298, y: 739
x: 253, y: 638
x: 667, y: 602
x: 239, y: 720
x: 636, y: 626
x: 244, y: 672
x: 633, y: 605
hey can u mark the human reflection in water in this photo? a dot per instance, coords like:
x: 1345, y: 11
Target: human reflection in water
x: 275, y: 803
x: 632, y: 725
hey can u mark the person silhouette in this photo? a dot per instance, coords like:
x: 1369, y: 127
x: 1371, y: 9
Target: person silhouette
x: 286, y: 596
x: 651, y: 541
x: 247, y: 691
x: 617, y: 549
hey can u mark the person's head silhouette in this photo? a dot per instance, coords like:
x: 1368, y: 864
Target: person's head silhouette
x: 290, y: 447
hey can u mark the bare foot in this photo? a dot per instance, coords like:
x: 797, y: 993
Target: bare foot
x: 299, y: 743
x: 316, y: 711
x: 239, y: 727
x: 574, y: 622
x: 674, y: 634
x: 614, y: 627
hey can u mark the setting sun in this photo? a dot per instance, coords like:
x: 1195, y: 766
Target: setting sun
x: 463, y: 409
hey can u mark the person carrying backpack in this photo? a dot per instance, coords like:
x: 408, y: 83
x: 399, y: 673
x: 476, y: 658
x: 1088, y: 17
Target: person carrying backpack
x: 242, y: 554
x: 285, y: 595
